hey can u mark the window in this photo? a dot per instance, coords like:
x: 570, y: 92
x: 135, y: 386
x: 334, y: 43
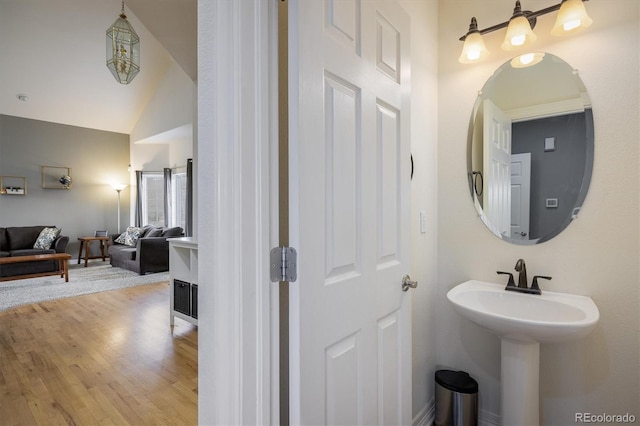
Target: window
x: 154, y: 187
x: 152, y: 195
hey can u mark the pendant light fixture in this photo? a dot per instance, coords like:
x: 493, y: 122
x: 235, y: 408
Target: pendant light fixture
x: 519, y: 32
x: 123, y: 50
x: 572, y: 17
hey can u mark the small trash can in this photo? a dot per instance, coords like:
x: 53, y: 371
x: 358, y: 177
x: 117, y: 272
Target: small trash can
x: 456, y: 399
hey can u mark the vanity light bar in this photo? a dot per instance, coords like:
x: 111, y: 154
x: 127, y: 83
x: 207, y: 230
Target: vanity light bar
x: 571, y: 18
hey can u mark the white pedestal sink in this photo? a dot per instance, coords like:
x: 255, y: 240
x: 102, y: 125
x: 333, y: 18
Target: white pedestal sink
x: 523, y: 321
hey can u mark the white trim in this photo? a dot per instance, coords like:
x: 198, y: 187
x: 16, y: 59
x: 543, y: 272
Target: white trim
x: 487, y: 418
x: 427, y: 415
x: 293, y: 30
x: 268, y: 209
x: 274, y: 187
x: 235, y: 127
x: 553, y: 109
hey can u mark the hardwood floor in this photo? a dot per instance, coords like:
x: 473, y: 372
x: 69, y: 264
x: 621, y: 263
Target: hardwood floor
x: 109, y: 358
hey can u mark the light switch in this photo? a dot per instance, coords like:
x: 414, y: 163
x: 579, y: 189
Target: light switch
x: 549, y: 144
x: 423, y: 222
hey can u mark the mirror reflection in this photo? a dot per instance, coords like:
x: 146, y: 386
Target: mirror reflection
x: 530, y: 149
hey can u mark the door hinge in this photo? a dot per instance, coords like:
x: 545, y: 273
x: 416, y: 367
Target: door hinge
x: 284, y: 264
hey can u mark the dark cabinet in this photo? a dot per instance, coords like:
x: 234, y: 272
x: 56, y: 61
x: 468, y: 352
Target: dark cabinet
x: 185, y: 298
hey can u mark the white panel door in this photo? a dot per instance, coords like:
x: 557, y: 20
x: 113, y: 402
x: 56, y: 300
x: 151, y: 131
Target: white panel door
x: 520, y: 195
x: 497, y: 167
x: 350, y: 321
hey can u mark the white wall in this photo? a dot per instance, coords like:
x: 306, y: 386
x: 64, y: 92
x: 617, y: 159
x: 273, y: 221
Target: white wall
x: 597, y: 255
x: 171, y: 107
x: 424, y: 91
x: 163, y: 136
x: 179, y: 152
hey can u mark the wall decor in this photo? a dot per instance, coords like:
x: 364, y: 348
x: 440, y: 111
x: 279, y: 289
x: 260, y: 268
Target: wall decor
x: 56, y: 177
x: 13, y: 185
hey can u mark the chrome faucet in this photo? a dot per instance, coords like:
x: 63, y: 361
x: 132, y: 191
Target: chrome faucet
x: 522, y: 286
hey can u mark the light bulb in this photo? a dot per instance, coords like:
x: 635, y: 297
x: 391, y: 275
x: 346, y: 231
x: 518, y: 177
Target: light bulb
x: 518, y: 40
x: 473, y: 55
x: 526, y: 58
x: 568, y: 26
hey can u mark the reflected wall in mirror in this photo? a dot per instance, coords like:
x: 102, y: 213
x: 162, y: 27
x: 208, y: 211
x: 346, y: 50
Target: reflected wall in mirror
x: 531, y: 144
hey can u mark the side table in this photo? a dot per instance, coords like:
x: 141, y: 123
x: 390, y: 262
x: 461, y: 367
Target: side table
x: 86, y: 243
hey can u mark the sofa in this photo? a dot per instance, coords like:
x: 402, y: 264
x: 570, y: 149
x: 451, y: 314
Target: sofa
x: 142, y: 249
x: 21, y: 241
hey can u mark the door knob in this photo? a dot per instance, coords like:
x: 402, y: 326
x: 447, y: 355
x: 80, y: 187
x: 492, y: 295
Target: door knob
x: 407, y: 283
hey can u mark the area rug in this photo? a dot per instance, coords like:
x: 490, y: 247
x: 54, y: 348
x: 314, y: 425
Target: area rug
x: 97, y: 277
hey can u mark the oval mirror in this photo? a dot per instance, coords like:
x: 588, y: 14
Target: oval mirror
x: 530, y: 152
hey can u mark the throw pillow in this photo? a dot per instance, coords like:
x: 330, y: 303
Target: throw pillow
x: 46, y: 238
x: 155, y: 232
x: 172, y: 232
x: 130, y: 236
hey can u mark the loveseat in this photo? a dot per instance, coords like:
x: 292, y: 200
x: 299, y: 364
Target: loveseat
x: 142, y: 249
x: 21, y: 241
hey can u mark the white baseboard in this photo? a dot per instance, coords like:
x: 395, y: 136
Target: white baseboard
x: 487, y: 418
x: 426, y: 415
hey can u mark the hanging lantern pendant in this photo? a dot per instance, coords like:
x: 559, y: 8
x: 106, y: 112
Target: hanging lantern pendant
x: 123, y: 50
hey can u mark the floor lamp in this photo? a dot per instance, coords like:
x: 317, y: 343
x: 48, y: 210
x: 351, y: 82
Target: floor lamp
x: 119, y: 187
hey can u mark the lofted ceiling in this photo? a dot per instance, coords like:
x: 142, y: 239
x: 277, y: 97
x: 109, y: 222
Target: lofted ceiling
x: 54, y: 53
x: 174, y: 24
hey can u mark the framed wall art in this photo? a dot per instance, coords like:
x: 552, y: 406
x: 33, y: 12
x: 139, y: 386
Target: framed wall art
x: 13, y: 185
x: 56, y: 177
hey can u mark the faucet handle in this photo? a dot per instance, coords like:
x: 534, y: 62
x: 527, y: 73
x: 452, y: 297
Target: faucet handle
x: 511, y: 282
x: 534, y: 284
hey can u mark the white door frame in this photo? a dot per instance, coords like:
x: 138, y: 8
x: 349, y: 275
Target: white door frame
x: 236, y: 141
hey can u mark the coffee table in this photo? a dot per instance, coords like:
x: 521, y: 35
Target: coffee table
x: 63, y: 265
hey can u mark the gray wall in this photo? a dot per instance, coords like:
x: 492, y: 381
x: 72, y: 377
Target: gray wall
x: 554, y: 174
x: 96, y: 158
